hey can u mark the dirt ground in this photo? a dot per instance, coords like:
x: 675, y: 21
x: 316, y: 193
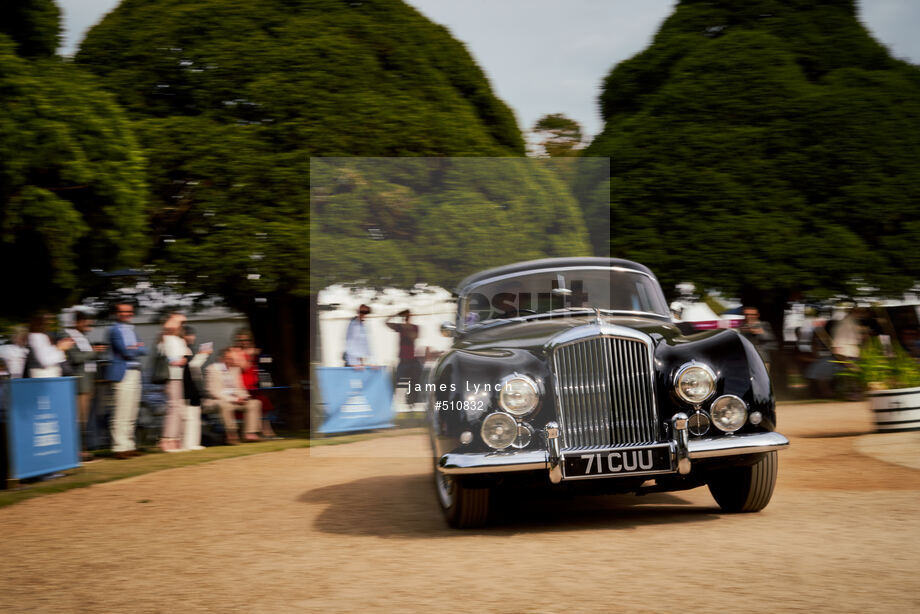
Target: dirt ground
x: 356, y: 527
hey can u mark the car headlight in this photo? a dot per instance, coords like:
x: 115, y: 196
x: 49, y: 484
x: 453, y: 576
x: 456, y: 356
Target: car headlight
x: 519, y: 395
x: 694, y: 382
x: 499, y: 430
x: 728, y: 413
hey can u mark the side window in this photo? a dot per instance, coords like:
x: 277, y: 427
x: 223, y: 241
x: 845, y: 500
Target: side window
x: 477, y: 308
x: 641, y: 300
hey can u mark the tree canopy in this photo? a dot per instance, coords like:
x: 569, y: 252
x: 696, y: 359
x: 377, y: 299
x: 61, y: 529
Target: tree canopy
x: 72, y: 191
x: 559, y: 135
x: 232, y: 102
x: 766, y: 147
x: 34, y: 26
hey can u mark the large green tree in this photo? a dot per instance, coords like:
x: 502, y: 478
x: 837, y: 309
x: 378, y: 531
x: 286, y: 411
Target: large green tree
x: 72, y: 191
x: 34, y: 26
x: 766, y: 147
x: 232, y: 99
x: 558, y: 135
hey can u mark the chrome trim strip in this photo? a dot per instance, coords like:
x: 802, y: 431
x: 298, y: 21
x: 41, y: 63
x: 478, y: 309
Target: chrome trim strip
x: 490, y: 462
x: 587, y: 331
x: 617, y: 399
x: 732, y: 445
x: 606, y: 392
x: 559, y: 415
x: 619, y: 269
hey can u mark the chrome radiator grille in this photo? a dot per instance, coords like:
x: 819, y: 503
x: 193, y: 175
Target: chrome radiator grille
x: 604, y: 393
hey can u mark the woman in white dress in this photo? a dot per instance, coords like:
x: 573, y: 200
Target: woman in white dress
x: 45, y: 356
x: 173, y: 346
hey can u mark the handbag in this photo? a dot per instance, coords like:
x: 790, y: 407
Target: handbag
x: 160, y: 371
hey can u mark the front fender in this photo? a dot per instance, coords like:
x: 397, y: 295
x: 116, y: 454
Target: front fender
x: 738, y: 367
x: 462, y: 389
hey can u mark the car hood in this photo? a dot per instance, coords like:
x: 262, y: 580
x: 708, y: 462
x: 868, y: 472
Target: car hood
x: 535, y: 334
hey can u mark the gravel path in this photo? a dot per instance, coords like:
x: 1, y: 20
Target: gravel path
x: 356, y: 527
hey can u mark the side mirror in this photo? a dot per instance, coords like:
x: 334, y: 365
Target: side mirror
x: 448, y: 329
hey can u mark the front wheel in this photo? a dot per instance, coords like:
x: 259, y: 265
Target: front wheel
x: 463, y: 507
x: 745, y: 489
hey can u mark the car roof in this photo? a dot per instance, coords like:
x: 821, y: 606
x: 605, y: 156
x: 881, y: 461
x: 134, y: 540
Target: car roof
x: 552, y: 263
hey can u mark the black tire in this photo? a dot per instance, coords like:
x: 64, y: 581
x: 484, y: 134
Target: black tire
x: 745, y: 489
x: 463, y: 507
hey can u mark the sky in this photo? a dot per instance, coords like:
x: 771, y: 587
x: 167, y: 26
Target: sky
x: 551, y: 56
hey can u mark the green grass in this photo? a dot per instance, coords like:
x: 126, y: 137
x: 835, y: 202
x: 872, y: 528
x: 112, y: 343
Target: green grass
x: 109, y: 469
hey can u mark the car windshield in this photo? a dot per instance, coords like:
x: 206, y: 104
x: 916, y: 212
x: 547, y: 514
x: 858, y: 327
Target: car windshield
x: 537, y: 293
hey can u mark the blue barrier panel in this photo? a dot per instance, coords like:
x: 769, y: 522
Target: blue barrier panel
x: 41, y: 427
x: 355, y: 399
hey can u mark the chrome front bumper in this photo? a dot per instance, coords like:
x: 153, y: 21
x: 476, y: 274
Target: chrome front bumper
x: 732, y: 445
x: 682, y: 450
x: 493, y: 462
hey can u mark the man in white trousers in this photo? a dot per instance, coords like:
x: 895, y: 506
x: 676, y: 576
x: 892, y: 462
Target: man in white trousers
x: 125, y: 374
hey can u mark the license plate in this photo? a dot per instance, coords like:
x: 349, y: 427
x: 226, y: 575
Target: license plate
x: 617, y: 462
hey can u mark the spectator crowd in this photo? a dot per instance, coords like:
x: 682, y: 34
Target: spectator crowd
x: 225, y: 388
x: 824, y: 352
x: 110, y: 376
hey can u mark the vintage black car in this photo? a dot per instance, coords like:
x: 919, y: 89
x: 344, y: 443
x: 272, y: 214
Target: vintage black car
x: 569, y: 374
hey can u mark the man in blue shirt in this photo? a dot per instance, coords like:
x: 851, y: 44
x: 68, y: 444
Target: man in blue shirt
x: 125, y: 374
x: 357, y: 350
